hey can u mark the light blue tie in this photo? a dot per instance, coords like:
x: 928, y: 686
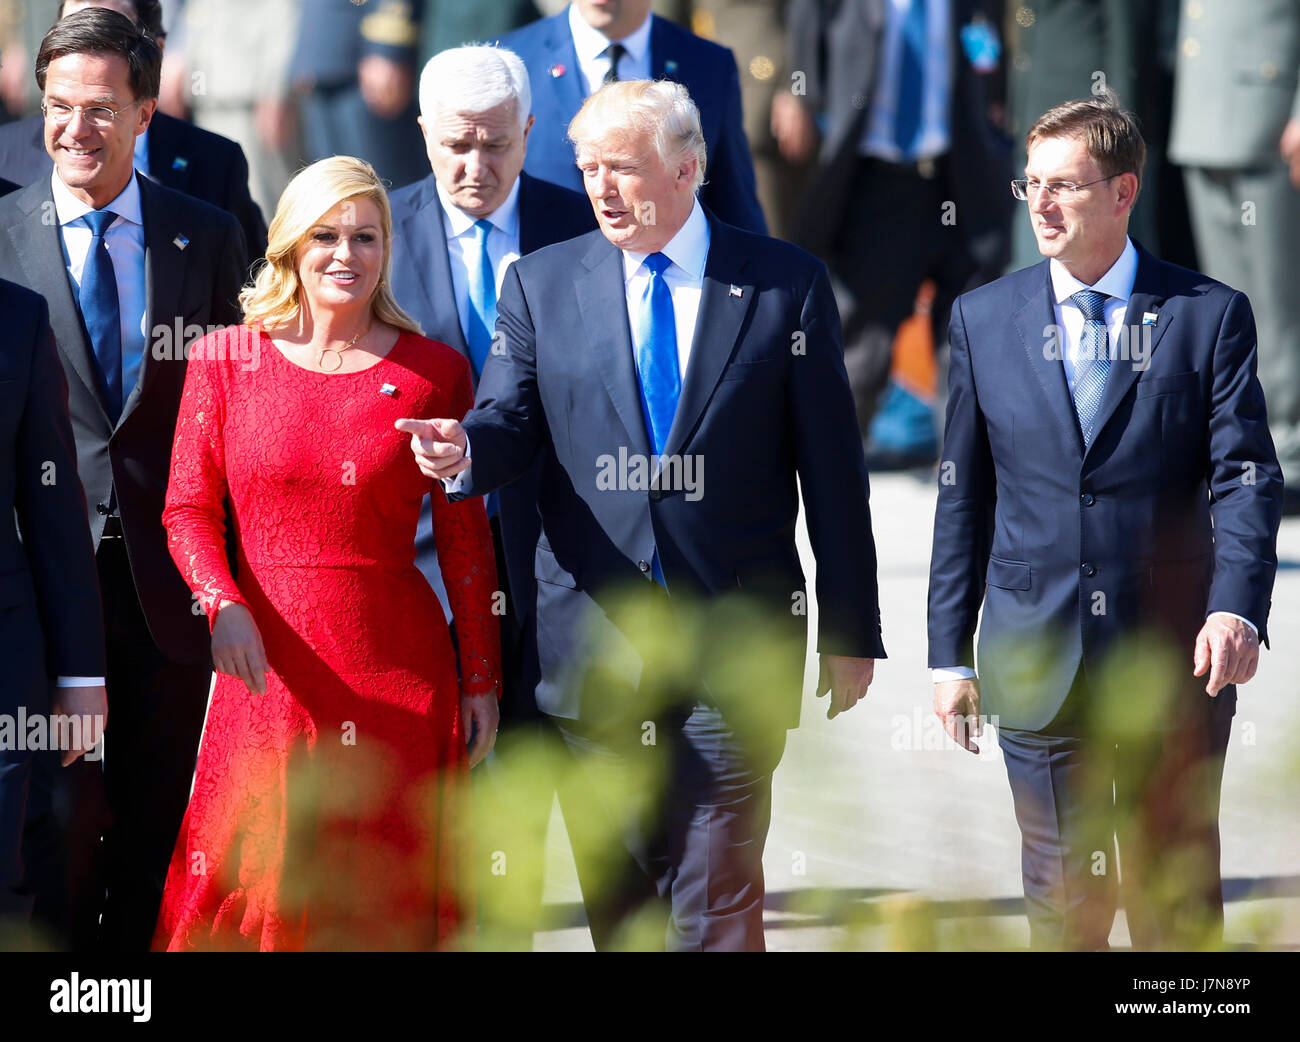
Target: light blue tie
x: 482, y: 317
x: 1093, y: 364
x: 97, y: 298
x: 656, y: 365
x: 911, y: 80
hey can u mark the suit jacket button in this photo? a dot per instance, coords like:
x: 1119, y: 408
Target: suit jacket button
x: 643, y: 565
x: 1088, y: 570
x: 103, y: 509
x: 1087, y: 499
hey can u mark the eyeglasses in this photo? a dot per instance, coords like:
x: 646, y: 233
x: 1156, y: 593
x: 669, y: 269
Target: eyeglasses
x: 99, y: 116
x: 1022, y: 188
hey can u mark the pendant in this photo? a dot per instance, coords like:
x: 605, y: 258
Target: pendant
x: 338, y: 361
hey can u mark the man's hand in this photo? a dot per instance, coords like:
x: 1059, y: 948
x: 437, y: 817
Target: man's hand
x: 439, y: 446
x: 90, y: 704
x: 847, y: 679
x: 957, y: 704
x: 1289, y: 146
x: 793, y: 127
x: 480, y: 716
x: 386, y: 85
x: 1229, y: 649
x: 237, y: 647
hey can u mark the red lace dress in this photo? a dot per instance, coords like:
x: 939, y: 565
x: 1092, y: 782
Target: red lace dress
x: 325, y: 813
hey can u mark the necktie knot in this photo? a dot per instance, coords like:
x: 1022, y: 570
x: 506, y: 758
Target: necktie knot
x: 481, y: 228
x: 658, y: 263
x: 1092, y: 303
x: 98, y: 221
x: 615, y: 52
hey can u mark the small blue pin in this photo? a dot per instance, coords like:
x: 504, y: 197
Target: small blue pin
x: 180, y: 163
x: 1149, y: 318
x: 736, y: 291
x: 389, y: 390
x: 670, y: 67
x: 180, y: 242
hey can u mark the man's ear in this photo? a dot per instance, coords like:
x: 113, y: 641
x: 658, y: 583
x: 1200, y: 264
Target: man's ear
x: 144, y: 115
x: 528, y: 127
x: 686, y: 170
x: 1128, y: 190
x: 424, y: 129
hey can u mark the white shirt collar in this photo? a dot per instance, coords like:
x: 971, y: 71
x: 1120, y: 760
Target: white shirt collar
x: 69, y: 208
x: 590, y: 43
x: 688, y: 249
x: 1117, y: 282
x: 505, y: 218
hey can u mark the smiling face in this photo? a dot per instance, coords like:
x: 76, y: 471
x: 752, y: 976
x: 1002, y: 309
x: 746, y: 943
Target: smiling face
x: 1085, y: 233
x: 341, y: 259
x: 476, y: 156
x: 640, y: 201
x: 94, y: 162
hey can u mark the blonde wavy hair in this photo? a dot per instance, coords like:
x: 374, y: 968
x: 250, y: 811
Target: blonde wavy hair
x: 275, y: 298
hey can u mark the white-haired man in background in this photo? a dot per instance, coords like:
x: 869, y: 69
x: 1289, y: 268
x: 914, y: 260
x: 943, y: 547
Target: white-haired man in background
x: 455, y: 234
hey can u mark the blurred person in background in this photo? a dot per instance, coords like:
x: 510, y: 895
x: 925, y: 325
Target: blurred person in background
x: 894, y: 98
x: 451, y: 23
x: 227, y: 66
x: 172, y: 152
x: 326, y: 809
x: 592, y: 42
x: 353, y: 69
x: 1236, y: 132
x: 455, y: 235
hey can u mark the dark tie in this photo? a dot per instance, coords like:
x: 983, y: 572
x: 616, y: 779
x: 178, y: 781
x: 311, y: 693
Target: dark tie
x: 911, y: 79
x: 615, y: 52
x: 97, y: 298
x: 1093, y: 362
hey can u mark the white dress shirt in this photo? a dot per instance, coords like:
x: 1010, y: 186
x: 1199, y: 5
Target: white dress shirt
x: 592, y: 46
x: 1117, y: 283
x: 462, y: 245
x: 936, y: 96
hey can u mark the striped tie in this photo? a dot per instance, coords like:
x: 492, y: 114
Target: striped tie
x: 1093, y: 363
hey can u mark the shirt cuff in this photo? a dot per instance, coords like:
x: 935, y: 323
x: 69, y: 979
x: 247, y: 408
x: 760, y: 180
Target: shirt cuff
x: 938, y: 676
x: 79, y: 682
x: 451, y: 486
x: 1233, y: 615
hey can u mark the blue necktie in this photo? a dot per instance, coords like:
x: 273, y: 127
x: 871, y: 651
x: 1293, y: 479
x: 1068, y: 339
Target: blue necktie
x: 482, y: 317
x: 656, y: 354
x: 1093, y: 363
x: 911, y: 79
x: 99, y: 310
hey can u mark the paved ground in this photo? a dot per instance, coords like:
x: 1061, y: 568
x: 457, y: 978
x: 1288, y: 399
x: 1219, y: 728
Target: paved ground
x: 881, y: 840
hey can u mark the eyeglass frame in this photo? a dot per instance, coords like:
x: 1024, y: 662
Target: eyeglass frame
x: 84, y: 109
x: 1059, y: 186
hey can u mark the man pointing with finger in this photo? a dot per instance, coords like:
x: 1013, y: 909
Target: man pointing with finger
x: 1110, y: 493
x: 707, y: 359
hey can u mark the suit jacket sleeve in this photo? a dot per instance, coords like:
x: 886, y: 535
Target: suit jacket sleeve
x: 833, y: 478
x: 1245, y: 478
x: 730, y: 190
x: 50, y: 510
x: 507, y: 426
x: 963, y: 516
x: 805, y: 23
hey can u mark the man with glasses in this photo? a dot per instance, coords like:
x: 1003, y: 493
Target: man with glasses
x: 127, y: 267
x: 1110, y: 493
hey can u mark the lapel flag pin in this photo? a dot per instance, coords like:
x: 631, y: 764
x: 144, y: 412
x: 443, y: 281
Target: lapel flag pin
x: 1149, y: 318
x: 180, y: 163
x: 180, y: 242
x: 670, y: 67
x: 736, y: 291
x: 556, y: 71
x: 389, y: 390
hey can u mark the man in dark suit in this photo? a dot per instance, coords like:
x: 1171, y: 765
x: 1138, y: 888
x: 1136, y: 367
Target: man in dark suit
x: 51, y: 625
x: 131, y: 272
x: 1110, y: 492
x: 173, y: 152
x: 666, y: 340
x: 474, y: 104
x: 911, y: 178
x: 572, y: 53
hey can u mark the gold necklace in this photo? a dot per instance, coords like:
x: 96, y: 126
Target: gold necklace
x: 338, y: 355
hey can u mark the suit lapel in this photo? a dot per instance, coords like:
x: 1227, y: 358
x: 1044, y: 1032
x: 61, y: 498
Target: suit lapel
x: 427, y: 237
x: 1034, y: 318
x: 602, y: 301
x: 561, y: 72
x: 165, y: 243
x: 1148, y: 297
x: 722, y: 312
x: 532, y: 217
x: 38, y: 245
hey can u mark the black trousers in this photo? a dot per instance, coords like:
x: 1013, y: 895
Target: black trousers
x: 100, y: 835
x: 668, y: 822
x: 1134, y: 816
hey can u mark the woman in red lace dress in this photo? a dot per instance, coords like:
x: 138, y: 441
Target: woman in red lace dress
x: 326, y: 803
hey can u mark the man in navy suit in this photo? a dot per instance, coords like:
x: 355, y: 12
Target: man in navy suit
x: 474, y: 104
x: 51, y: 625
x: 1110, y: 492
x: 172, y: 152
x: 665, y: 341
x: 572, y: 53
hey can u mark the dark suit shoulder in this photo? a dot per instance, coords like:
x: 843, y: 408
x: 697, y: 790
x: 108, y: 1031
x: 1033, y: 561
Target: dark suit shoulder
x: 16, y: 300
x: 680, y: 40
x: 535, y: 33
x: 185, y: 207
x: 181, y: 134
